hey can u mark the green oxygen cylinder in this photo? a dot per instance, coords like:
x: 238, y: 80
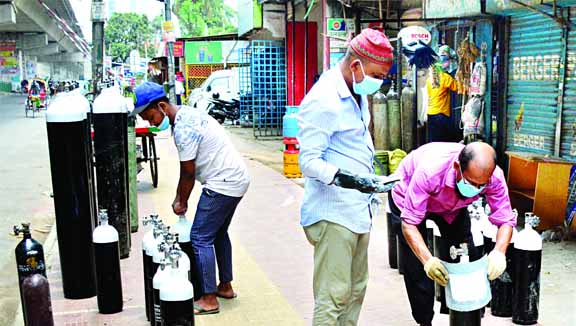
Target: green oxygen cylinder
x: 394, y: 123
x: 380, y: 118
x: 408, y: 100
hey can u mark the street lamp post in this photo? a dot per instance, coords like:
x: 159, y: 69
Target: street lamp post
x: 170, y: 55
x: 98, y: 19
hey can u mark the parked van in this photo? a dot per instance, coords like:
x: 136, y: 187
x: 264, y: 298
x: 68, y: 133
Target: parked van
x: 223, y: 82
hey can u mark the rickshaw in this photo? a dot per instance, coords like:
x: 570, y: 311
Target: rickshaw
x: 37, y: 97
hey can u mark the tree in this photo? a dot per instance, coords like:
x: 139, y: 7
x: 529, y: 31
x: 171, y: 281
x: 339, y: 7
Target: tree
x: 127, y: 32
x: 205, y: 17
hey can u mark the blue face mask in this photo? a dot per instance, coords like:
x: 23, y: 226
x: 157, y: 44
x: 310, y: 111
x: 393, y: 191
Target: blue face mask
x: 165, y: 124
x: 466, y: 189
x: 368, y: 85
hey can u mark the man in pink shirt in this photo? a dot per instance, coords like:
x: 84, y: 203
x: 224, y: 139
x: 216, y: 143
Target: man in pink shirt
x: 439, y: 181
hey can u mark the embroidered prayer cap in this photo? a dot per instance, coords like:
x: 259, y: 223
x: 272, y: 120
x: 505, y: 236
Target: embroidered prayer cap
x: 374, y: 46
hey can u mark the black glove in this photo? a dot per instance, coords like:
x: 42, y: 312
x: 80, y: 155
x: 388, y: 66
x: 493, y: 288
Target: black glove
x: 367, y: 183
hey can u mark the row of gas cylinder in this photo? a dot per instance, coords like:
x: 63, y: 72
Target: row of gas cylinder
x: 515, y: 293
x: 394, y: 119
x: 168, y: 273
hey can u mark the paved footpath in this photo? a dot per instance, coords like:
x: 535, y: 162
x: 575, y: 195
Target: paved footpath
x: 272, y: 261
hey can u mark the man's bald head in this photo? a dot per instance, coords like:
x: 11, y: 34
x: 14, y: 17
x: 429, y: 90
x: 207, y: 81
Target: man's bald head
x: 478, y: 155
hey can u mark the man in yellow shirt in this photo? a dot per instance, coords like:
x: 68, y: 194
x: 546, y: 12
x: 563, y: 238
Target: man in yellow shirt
x: 439, y: 86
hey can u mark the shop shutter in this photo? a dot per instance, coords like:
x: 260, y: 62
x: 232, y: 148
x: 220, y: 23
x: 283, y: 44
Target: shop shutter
x: 568, y: 145
x: 535, y: 48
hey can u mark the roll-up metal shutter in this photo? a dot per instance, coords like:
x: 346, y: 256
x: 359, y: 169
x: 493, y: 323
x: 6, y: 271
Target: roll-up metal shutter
x: 568, y: 136
x: 535, y: 50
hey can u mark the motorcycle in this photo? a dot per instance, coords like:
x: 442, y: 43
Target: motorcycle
x: 221, y: 109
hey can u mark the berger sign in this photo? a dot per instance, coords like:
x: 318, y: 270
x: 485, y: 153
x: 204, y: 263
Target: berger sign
x: 414, y: 33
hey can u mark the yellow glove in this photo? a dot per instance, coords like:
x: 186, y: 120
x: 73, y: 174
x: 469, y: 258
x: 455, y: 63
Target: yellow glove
x: 436, y: 271
x: 496, y: 264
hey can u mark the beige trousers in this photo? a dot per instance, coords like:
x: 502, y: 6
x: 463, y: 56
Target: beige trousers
x: 340, y: 273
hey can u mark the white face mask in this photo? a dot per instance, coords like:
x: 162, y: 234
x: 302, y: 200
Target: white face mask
x: 368, y: 86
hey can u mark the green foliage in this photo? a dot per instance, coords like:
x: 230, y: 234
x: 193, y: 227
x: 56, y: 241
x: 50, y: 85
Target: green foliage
x: 205, y: 17
x: 126, y: 32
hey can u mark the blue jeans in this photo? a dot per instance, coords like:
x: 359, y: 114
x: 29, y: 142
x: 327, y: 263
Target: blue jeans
x: 210, y: 240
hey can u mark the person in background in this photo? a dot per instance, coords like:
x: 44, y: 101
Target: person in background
x: 439, y: 86
x: 179, y: 87
x: 439, y: 181
x: 336, y: 154
x: 207, y: 155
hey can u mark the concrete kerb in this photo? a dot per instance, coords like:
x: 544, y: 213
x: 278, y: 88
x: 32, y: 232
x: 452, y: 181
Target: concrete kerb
x: 50, y: 245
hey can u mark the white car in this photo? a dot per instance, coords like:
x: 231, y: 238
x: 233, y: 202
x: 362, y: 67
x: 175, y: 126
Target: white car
x: 223, y: 82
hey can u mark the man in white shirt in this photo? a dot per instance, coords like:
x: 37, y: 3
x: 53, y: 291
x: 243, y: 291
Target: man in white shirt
x: 336, y: 154
x: 207, y: 155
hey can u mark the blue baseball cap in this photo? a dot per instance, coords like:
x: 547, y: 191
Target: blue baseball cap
x: 145, y: 94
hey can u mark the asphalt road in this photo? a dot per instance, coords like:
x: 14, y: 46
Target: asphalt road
x: 25, y: 189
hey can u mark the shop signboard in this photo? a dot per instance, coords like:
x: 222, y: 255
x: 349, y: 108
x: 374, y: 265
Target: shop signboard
x: 502, y: 6
x: 452, y: 8
x: 203, y: 52
x: 415, y: 33
x: 338, y: 29
x: 178, y: 49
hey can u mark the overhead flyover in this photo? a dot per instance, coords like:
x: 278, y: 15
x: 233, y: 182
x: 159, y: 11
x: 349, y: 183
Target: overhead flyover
x: 40, y: 37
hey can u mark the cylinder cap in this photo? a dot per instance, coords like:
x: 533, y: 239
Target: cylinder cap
x: 67, y: 108
x: 110, y: 101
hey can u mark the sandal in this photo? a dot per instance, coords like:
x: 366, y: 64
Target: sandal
x: 199, y: 310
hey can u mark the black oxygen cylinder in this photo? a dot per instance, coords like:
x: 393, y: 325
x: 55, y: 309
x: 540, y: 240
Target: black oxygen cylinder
x: 161, y: 275
x: 527, y: 261
x: 147, y: 241
x: 176, y: 297
x: 29, y: 259
x: 474, y: 317
x: 183, y: 228
x: 36, y: 303
x: 89, y: 154
x: 68, y: 142
x: 154, y: 260
x: 502, y: 288
x: 392, y: 258
x: 110, y: 143
x: 108, y: 275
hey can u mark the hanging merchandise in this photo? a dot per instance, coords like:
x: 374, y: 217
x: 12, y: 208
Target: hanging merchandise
x: 527, y: 260
x: 29, y: 259
x: 419, y: 54
x: 478, y: 79
x: 107, y: 260
x: 394, y: 119
x: 408, y: 108
x: 472, y: 120
x: 467, y: 54
x: 380, y: 118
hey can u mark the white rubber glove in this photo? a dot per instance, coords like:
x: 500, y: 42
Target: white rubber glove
x: 496, y: 264
x: 436, y: 271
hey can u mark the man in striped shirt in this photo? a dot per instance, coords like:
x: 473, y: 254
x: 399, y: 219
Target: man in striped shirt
x: 336, y: 158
